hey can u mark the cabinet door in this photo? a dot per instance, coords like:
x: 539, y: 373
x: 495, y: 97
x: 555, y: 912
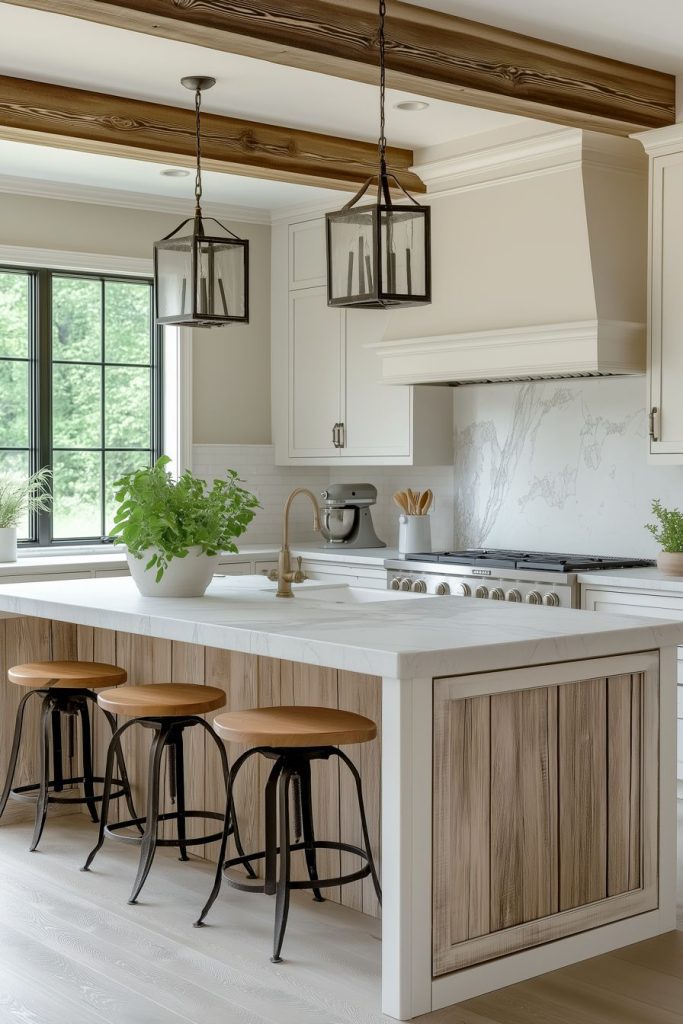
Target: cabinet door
x: 307, y: 260
x: 315, y: 355
x: 377, y: 417
x: 666, y: 354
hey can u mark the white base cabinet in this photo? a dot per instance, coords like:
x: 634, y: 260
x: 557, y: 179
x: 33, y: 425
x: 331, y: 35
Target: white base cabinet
x: 329, y: 406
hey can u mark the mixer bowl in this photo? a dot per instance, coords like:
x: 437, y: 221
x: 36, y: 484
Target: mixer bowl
x: 337, y: 523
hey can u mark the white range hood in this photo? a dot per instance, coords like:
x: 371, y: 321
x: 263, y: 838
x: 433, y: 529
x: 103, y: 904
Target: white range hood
x: 539, y: 262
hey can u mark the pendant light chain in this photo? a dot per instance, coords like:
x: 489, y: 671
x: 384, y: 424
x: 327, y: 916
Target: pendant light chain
x: 382, y: 144
x: 198, y: 177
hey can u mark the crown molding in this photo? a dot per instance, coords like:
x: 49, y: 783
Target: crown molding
x: 41, y: 189
x: 661, y: 141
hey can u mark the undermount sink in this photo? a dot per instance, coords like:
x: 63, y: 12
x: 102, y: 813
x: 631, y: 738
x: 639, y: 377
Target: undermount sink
x: 350, y: 595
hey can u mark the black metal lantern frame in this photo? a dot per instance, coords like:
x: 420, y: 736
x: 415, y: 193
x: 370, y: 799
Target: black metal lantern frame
x: 201, y: 279
x: 379, y: 254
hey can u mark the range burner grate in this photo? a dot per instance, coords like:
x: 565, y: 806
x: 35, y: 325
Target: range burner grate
x: 545, y: 561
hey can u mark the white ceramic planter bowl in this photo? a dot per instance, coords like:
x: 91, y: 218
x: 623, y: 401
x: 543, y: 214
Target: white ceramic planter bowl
x: 185, y: 577
x: 8, y: 544
x: 670, y: 562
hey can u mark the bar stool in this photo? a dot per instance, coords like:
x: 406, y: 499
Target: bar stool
x: 292, y: 737
x: 168, y: 709
x: 65, y: 688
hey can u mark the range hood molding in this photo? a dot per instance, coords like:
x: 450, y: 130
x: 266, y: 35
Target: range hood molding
x: 581, y: 348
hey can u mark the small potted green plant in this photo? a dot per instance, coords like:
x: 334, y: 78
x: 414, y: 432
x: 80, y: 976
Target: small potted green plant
x: 668, y: 532
x: 175, y: 530
x: 19, y: 497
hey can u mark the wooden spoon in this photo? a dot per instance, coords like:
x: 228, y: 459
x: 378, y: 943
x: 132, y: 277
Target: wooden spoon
x: 413, y: 498
x: 401, y: 499
x: 425, y: 502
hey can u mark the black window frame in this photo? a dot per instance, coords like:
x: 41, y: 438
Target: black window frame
x: 40, y: 390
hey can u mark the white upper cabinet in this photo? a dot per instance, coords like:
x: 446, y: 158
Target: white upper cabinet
x: 665, y: 336
x: 329, y: 407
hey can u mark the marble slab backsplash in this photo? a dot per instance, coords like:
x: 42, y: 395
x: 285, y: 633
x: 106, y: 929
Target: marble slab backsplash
x: 557, y: 465
x: 272, y: 484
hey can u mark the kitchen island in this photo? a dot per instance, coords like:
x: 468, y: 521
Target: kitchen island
x: 527, y: 792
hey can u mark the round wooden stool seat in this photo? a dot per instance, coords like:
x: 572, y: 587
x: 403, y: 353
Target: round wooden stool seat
x: 66, y: 675
x: 294, y: 727
x: 162, y: 700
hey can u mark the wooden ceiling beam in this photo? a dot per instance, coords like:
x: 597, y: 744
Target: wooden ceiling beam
x: 119, y: 126
x: 429, y: 53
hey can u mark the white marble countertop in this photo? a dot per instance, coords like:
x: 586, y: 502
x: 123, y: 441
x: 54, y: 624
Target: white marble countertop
x: 114, y: 557
x: 405, y: 636
x: 648, y: 578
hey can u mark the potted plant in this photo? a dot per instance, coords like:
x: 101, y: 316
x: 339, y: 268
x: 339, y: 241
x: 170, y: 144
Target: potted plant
x: 175, y: 530
x: 19, y: 497
x: 668, y: 532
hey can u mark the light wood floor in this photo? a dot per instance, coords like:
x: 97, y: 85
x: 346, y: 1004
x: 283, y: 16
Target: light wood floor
x: 73, y: 952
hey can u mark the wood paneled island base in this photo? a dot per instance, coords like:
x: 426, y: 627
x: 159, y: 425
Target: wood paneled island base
x: 523, y: 782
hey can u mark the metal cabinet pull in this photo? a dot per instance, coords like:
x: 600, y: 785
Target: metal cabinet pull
x: 342, y: 436
x: 335, y: 436
x: 653, y: 412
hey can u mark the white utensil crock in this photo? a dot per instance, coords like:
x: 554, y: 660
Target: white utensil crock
x: 8, y: 544
x: 414, y: 534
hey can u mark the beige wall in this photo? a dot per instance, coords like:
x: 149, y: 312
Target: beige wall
x: 231, y: 367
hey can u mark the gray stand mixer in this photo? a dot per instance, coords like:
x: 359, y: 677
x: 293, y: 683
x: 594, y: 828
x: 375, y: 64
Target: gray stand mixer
x: 345, y: 517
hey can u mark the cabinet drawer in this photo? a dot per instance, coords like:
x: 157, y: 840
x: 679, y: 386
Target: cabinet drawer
x: 620, y: 602
x: 234, y: 568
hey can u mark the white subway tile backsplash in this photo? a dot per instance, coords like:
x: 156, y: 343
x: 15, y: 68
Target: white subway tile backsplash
x: 272, y: 484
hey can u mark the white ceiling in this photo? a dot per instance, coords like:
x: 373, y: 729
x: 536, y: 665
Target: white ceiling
x: 646, y: 32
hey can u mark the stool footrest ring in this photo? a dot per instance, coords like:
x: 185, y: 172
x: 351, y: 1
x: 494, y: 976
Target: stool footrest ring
x: 112, y: 830
x: 318, y: 883
x: 25, y: 794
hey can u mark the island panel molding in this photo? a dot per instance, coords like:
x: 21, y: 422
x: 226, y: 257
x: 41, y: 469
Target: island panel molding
x: 553, y: 787
x: 57, y: 115
x: 429, y: 53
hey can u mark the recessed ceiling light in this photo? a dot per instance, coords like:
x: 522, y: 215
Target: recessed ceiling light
x: 175, y: 172
x: 411, y: 105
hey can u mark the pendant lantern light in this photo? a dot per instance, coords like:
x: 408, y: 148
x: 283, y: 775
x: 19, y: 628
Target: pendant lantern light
x: 378, y: 255
x: 201, y: 277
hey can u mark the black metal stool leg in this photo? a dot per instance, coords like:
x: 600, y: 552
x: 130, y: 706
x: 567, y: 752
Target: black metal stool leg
x: 232, y: 819
x: 282, y: 892
x: 121, y: 764
x: 57, y: 761
x: 112, y: 750
x: 86, y: 749
x: 307, y: 825
x: 16, y: 746
x: 149, y: 839
x: 41, y: 805
x: 363, y: 820
x: 180, y: 794
x: 270, y: 844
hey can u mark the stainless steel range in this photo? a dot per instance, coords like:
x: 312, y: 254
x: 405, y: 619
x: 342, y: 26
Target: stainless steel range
x: 500, y: 575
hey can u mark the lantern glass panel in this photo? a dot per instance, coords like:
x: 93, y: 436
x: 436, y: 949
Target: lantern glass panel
x: 404, y: 252
x: 351, y: 254
x: 221, y: 278
x: 174, y: 277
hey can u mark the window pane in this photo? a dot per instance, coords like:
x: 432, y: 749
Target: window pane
x: 115, y: 465
x: 76, y: 406
x: 76, y: 319
x: 15, y: 466
x: 127, y: 322
x: 14, y: 315
x: 14, y: 418
x: 77, y: 495
x: 127, y: 407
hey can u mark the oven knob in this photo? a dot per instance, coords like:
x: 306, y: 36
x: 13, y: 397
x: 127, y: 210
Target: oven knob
x: 482, y: 592
x: 513, y: 595
x: 533, y: 597
x: 551, y: 599
x: 444, y: 590
x: 497, y: 594
x: 405, y: 584
x: 395, y: 584
x: 419, y: 586
x: 461, y: 590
